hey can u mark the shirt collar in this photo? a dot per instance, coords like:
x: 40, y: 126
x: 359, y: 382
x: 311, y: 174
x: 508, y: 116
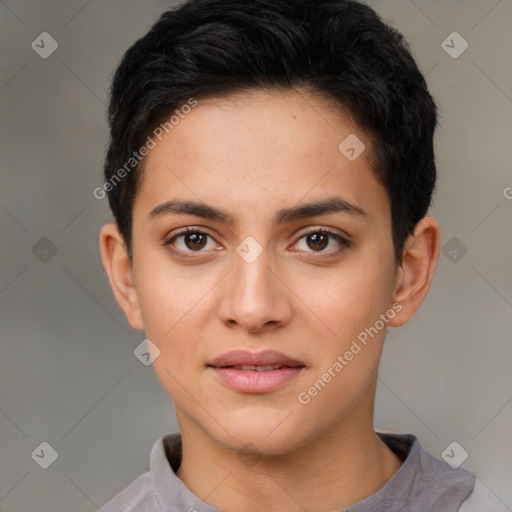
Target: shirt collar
x: 421, y: 481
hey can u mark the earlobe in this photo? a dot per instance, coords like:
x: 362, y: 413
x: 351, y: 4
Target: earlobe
x: 421, y: 254
x: 119, y: 271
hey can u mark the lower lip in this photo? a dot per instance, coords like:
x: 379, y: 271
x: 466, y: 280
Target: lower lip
x: 252, y: 381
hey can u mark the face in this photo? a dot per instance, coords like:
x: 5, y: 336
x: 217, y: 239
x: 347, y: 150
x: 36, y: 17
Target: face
x: 294, y: 255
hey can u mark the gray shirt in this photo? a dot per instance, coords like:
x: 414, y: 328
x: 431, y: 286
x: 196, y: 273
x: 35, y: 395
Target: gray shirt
x: 422, y: 484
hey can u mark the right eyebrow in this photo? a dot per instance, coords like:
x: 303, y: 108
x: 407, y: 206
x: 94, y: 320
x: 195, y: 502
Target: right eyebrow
x: 198, y: 209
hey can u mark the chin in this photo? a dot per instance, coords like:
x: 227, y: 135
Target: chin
x: 262, y: 438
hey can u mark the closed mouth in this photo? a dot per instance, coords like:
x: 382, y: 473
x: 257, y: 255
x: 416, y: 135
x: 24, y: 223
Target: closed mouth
x: 259, y: 368
x: 263, y: 361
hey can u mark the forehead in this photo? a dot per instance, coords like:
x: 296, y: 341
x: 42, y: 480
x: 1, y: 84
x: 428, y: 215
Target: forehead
x: 261, y: 149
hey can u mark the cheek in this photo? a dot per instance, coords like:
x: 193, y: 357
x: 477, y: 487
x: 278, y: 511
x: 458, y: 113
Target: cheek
x: 170, y: 296
x: 345, y: 301
x: 349, y: 347
x: 175, y: 306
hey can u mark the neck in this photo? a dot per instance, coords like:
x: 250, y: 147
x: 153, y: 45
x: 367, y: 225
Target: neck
x: 343, y: 466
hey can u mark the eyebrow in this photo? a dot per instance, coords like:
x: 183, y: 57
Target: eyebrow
x: 200, y: 209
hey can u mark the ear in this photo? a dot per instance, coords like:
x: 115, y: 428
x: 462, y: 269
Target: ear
x: 119, y: 271
x: 415, y: 274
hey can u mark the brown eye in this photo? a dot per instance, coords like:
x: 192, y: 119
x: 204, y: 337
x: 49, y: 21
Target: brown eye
x: 189, y: 240
x: 317, y: 241
x: 194, y: 241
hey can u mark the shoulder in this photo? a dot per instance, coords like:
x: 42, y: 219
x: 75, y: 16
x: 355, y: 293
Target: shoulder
x: 157, y: 489
x: 139, y: 496
x: 482, y: 499
x: 427, y: 472
x: 423, y: 482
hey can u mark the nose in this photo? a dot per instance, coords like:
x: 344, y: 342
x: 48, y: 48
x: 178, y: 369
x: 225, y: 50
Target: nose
x: 254, y: 297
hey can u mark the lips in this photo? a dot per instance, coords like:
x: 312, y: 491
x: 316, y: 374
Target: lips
x: 260, y: 361
x: 255, y: 373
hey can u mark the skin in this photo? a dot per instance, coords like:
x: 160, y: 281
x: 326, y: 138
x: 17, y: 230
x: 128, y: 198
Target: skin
x: 252, y: 155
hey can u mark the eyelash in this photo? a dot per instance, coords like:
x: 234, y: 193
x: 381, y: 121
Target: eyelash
x: 344, y: 243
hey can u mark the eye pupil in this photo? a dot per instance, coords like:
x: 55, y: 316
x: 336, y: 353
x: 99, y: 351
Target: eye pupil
x: 195, y: 239
x: 320, y: 240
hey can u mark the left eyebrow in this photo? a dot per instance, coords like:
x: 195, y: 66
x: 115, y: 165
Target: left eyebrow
x: 329, y: 205
x: 284, y: 215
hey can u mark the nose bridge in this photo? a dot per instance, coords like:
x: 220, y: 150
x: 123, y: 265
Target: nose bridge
x: 253, y: 298
x: 252, y: 276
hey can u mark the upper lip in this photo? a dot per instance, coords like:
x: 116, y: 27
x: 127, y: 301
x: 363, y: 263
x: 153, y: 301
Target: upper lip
x: 246, y: 358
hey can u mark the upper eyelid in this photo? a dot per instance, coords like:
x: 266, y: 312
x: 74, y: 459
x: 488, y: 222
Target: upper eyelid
x: 330, y: 231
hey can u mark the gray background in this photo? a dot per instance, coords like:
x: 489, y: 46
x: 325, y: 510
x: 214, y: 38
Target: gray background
x: 68, y: 373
